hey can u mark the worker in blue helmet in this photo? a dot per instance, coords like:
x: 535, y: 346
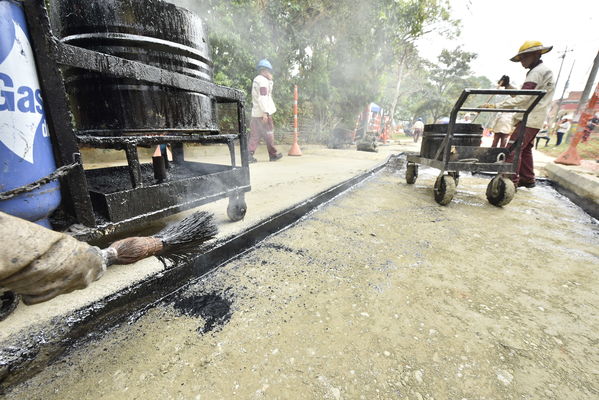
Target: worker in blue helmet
x: 263, y: 107
x: 264, y: 64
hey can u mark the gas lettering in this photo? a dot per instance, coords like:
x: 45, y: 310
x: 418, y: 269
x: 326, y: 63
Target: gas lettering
x: 7, y: 97
x: 24, y: 99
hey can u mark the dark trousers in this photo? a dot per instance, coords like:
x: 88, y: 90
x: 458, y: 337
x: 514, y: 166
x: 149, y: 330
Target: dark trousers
x: 560, y: 135
x: 525, y: 169
x: 262, y: 130
x: 499, y: 139
x: 538, y: 138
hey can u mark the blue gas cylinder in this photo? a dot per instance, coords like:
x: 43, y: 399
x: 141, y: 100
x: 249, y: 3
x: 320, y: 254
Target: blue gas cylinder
x: 25, y: 148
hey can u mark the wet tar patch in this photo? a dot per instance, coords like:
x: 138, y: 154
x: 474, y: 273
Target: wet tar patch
x: 214, y: 309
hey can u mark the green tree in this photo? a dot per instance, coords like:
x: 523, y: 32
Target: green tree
x: 446, y: 80
x: 340, y: 53
x: 405, y: 21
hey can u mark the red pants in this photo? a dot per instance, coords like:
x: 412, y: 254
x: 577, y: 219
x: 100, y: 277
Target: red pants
x: 262, y: 130
x: 524, y: 170
x: 499, y: 139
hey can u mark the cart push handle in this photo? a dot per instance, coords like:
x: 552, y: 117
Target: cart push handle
x: 492, y: 92
x: 445, y: 147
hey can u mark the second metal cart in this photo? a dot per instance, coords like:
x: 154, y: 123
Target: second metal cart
x: 450, y: 157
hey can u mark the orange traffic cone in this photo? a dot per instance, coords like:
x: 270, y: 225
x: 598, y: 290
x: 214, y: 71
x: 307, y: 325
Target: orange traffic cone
x: 570, y: 156
x: 295, y: 149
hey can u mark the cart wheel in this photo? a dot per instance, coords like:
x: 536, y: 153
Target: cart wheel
x: 444, y: 189
x: 411, y: 173
x: 455, y: 176
x: 500, y: 191
x: 8, y: 303
x: 236, y: 208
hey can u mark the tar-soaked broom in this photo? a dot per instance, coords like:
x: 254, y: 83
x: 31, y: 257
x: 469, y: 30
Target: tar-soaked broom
x: 177, y: 242
x: 41, y: 272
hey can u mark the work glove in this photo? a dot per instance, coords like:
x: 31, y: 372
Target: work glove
x: 504, y: 81
x: 40, y: 264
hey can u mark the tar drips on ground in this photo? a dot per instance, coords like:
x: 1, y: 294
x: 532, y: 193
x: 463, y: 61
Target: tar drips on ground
x: 214, y: 310
x: 381, y: 294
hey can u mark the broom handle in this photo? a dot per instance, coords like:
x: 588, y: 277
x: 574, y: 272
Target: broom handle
x: 488, y: 100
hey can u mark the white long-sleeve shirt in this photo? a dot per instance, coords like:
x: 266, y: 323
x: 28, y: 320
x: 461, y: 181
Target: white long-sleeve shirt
x: 262, y: 102
x: 503, y: 123
x: 538, y: 78
x: 564, y: 127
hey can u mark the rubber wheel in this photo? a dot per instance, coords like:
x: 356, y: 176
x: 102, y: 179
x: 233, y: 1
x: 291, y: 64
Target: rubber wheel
x: 411, y: 173
x: 236, y: 209
x: 444, y: 189
x: 500, y: 191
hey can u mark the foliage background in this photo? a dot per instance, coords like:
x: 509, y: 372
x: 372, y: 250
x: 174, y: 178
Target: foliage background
x: 342, y: 54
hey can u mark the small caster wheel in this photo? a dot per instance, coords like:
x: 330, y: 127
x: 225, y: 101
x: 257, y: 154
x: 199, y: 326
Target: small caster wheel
x: 237, y: 208
x: 411, y: 173
x: 444, y: 189
x: 8, y: 303
x: 456, y: 177
x: 500, y: 191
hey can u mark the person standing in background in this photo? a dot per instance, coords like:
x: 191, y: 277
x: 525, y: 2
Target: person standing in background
x: 417, y: 129
x: 562, y: 129
x: 263, y: 107
x: 544, y: 135
x: 502, y: 128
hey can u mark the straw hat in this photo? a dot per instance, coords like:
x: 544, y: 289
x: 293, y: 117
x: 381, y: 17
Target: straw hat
x: 529, y: 46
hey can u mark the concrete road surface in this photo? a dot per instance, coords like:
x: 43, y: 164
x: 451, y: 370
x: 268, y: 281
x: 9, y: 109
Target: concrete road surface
x: 381, y: 294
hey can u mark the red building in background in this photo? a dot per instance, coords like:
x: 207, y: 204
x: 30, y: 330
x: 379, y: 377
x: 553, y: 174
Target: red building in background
x: 568, y: 106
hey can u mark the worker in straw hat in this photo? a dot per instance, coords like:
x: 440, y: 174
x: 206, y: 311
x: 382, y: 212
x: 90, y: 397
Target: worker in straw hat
x: 538, y: 77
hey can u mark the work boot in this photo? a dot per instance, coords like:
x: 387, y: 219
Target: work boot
x: 252, y: 159
x: 276, y: 157
x: 529, y: 185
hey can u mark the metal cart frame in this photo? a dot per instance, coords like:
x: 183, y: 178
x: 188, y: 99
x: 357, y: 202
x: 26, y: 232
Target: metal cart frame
x: 94, y: 215
x: 475, y: 159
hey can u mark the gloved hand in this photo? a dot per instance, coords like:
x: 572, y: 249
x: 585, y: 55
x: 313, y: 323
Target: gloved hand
x: 487, y: 105
x: 39, y: 264
x: 504, y: 81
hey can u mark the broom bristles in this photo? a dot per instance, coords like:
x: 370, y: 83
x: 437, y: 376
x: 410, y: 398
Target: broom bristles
x: 176, y: 242
x: 185, y: 238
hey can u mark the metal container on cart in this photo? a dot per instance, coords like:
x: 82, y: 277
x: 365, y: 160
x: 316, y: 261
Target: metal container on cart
x: 124, y: 74
x: 455, y: 147
x: 464, y: 135
x: 176, y: 41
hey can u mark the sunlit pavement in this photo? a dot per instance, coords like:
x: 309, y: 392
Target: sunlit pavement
x: 380, y: 294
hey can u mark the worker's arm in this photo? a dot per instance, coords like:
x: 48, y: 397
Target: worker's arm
x: 519, y: 101
x: 40, y: 264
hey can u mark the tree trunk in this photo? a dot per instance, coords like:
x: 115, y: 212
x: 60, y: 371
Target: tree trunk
x: 397, y: 88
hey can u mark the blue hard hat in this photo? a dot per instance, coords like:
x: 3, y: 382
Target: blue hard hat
x: 264, y: 64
